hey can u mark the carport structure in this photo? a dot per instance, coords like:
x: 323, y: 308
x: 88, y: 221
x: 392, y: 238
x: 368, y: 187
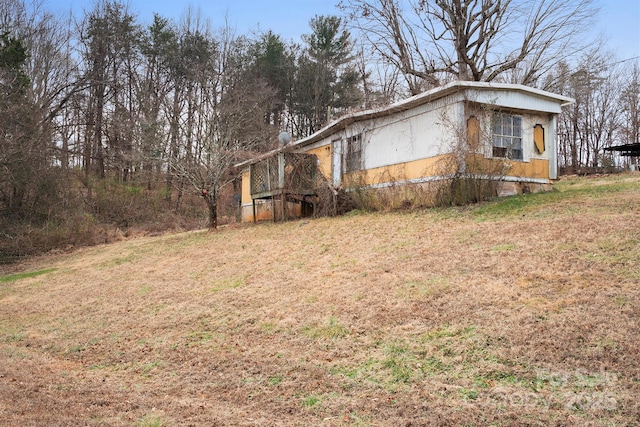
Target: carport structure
x: 627, y: 150
x: 632, y: 151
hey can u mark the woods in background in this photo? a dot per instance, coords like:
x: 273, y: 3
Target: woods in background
x: 107, y: 123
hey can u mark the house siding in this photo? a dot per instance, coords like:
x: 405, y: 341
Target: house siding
x: 406, y: 172
x: 515, y: 100
x: 416, y: 141
x: 324, y: 155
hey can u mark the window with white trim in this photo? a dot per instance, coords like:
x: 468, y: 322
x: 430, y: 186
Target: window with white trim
x: 506, y: 135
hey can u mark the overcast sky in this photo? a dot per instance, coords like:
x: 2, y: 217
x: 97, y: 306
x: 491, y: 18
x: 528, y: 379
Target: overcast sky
x: 618, y: 22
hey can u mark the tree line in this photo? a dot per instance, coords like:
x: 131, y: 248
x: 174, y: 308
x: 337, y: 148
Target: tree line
x: 540, y: 43
x: 107, y: 123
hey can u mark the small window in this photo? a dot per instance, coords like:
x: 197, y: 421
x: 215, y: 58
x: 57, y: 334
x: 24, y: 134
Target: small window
x: 353, y: 154
x: 507, y: 136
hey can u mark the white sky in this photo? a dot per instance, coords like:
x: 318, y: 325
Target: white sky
x: 618, y: 21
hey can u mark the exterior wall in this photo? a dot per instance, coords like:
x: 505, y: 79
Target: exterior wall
x: 514, y: 100
x: 537, y: 169
x: 417, y: 142
x: 534, y: 170
x: 246, y: 187
x: 416, y: 171
x: 534, y: 166
x: 552, y: 139
x: 417, y: 148
x: 416, y: 134
x: 264, y: 210
x: 337, y: 142
x: 398, y: 147
x: 246, y: 204
x: 324, y: 155
x: 529, y: 122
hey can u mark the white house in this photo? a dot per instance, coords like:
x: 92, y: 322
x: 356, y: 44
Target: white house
x: 500, y: 132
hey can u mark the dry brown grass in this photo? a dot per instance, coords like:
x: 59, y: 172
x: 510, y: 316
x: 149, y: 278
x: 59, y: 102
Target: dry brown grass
x: 519, y: 312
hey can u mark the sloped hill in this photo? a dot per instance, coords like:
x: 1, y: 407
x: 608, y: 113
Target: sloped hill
x: 524, y: 311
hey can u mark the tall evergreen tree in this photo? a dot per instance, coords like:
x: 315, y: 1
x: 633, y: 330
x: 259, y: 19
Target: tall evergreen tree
x: 327, y: 80
x: 274, y: 64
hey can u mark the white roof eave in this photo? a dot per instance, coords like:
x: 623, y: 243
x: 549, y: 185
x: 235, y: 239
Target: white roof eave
x: 420, y: 99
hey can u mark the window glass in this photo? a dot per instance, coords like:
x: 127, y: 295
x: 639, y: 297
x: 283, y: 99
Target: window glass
x: 353, y: 154
x: 497, y: 127
x: 517, y: 126
x: 506, y: 127
x: 507, y: 136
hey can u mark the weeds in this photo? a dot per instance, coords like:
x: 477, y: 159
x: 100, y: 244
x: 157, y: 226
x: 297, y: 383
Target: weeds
x: 331, y: 331
x: 274, y: 380
x: 118, y: 261
x: 20, y: 276
x: 526, y: 321
x: 503, y: 248
x: 399, y: 363
x: 268, y: 328
x: 219, y: 285
x: 311, y: 401
x: 150, y: 421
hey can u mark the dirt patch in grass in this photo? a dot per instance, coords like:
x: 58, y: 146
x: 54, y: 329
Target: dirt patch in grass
x: 517, y: 312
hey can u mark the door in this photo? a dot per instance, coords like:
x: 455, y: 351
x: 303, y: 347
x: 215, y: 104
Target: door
x: 336, y: 161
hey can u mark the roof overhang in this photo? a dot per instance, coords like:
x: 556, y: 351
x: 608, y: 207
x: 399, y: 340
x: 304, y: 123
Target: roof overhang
x: 464, y: 87
x: 426, y: 97
x: 262, y: 156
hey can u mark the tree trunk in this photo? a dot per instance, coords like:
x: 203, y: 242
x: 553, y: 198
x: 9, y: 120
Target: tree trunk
x: 174, y: 129
x: 212, y: 203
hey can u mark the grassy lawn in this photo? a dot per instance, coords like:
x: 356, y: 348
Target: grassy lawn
x: 522, y: 311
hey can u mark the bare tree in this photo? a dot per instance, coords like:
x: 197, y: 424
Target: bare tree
x: 35, y: 81
x: 596, y: 119
x: 109, y: 39
x: 432, y: 41
x: 630, y: 100
x: 227, y: 124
